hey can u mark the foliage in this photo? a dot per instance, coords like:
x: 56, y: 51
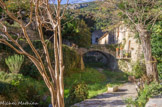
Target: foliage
x: 30, y: 70
x: 4, y: 53
x: 94, y: 64
x: 77, y: 31
x: 97, y: 13
x: 71, y: 60
x: 16, y: 87
x: 14, y: 62
x: 96, y: 82
x: 78, y: 92
x: 89, y: 76
x: 156, y: 42
x: 150, y: 90
x: 139, y: 69
x: 16, y: 5
x: 70, y: 56
x: 116, y: 77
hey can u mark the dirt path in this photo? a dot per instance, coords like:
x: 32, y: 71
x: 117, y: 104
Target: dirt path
x: 115, y: 99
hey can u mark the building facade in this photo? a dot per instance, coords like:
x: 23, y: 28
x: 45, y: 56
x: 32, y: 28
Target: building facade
x: 124, y: 37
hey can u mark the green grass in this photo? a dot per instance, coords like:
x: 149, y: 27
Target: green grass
x: 97, y: 89
x: 89, y: 76
x: 94, y: 89
x: 96, y: 81
x: 116, y: 77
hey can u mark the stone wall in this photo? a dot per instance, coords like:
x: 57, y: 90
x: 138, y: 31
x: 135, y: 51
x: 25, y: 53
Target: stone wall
x: 125, y: 65
x: 106, y: 59
x: 126, y: 38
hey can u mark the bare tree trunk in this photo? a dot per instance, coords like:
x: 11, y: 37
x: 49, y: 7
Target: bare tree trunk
x: 43, y: 16
x: 146, y: 45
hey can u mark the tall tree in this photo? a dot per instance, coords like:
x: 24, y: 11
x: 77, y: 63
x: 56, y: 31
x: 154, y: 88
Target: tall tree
x: 45, y: 16
x: 142, y: 15
x: 77, y: 31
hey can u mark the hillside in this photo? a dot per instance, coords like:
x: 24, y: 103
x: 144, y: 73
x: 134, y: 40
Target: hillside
x: 92, y: 13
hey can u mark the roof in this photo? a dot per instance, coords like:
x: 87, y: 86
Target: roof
x: 99, y: 33
x: 103, y: 36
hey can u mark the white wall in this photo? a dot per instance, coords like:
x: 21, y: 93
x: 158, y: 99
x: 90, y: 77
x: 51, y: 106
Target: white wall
x: 126, y: 35
x: 104, y: 40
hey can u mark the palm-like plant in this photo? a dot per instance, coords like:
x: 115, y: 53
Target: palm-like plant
x: 14, y: 62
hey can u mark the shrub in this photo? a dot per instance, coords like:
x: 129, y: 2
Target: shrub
x: 70, y: 57
x: 150, y: 90
x: 16, y: 87
x: 156, y: 42
x: 139, y: 69
x: 78, y: 92
x: 71, y: 60
x: 14, y: 62
x: 16, y: 5
x: 29, y: 69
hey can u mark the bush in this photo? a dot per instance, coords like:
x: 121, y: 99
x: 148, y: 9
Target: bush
x: 29, y: 69
x: 16, y: 87
x: 78, y: 92
x: 156, y: 42
x: 150, y: 90
x: 16, y: 5
x: 139, y: 69
x: 14, y: 62
x: 71, y: 60
x: 70, y: 57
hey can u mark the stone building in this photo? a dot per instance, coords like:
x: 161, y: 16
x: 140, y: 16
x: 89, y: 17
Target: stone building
x: 125, y: 37
x: 107, y: 38
x: 96, y: 35
x: 129, y: 49
x: 99, y: 37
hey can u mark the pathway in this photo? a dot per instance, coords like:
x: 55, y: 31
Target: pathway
x: 115, y: 99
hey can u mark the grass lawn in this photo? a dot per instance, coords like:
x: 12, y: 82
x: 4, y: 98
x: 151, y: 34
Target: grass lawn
x: 96, y: 81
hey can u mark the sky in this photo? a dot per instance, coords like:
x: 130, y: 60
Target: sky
x: 75, y: 1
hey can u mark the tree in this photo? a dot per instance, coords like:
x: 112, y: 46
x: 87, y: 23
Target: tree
x: 50, y: 17
x: 77, y: 31
x: 142, y: 15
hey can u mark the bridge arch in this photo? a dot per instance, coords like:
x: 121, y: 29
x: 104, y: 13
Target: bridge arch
x: 108, y: 59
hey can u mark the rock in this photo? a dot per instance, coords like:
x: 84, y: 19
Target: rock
x: 154, y: 102
x: 112, y: 89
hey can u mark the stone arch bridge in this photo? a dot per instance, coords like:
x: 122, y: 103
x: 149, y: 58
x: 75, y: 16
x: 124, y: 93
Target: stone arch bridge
x: 109, y: 51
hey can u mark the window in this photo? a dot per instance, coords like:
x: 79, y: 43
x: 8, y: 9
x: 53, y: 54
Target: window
x: 96, y: 40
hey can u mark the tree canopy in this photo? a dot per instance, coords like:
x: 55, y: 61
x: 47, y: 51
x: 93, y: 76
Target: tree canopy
x: 77, y: 31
